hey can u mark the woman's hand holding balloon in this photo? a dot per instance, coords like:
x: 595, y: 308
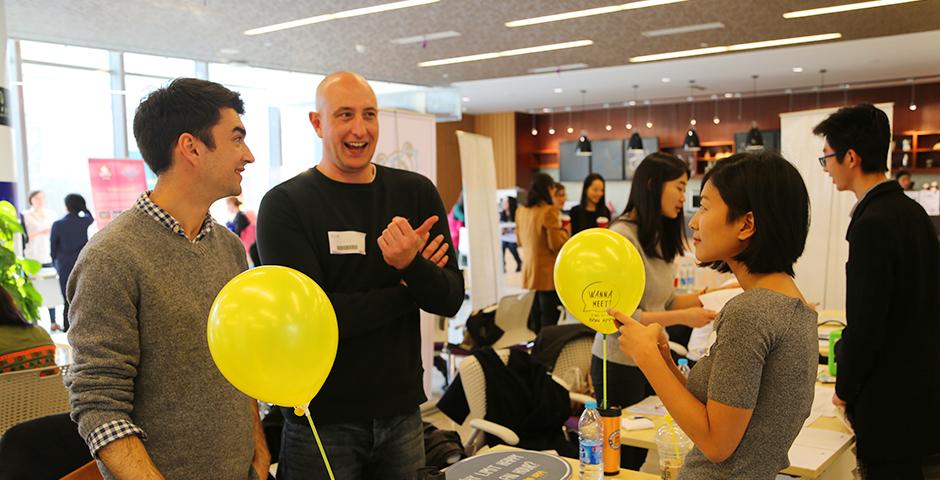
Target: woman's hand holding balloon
x: 640, y: 341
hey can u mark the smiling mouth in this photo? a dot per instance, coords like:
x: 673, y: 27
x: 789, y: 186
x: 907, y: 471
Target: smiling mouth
x: 356, y: 146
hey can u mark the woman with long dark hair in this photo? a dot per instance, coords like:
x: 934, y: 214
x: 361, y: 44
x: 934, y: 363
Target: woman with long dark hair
x: 540, y: 234
x: 592, y: 206
x: 23, y: 345
x: 69, y: 236
x: 654, y: 222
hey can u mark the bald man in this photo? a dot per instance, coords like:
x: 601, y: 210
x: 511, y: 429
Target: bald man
x: 360, y: 230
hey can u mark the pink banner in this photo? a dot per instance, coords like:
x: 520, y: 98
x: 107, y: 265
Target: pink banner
x: 115, y: 186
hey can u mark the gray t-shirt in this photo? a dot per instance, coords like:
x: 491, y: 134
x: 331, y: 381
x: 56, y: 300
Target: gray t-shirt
x: 764, y: 358
x: 658, y: 294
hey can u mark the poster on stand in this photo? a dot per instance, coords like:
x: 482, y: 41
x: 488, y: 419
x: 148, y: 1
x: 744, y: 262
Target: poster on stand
x: 115, y: 186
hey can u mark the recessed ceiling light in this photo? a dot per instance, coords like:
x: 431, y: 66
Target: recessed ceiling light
x: 686, y: 29
x: 228, y: 51
x: 844, y: 8
x: 589, y: 12
x: 797, y: 69
x: 506, y: 53
x: 666, y: 79
x: 338, y: 15
x: 546, y: 110
x: 736, y: 48
x: 558, y: 68
x: 425, y: 38
x: 729, y: 95
x: 465, y: 99
x: 558, y: 90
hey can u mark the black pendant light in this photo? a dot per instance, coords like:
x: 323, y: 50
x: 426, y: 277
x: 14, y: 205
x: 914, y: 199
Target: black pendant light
x: 692, y: 142
x: 754, y: 141
x: 583, y: 148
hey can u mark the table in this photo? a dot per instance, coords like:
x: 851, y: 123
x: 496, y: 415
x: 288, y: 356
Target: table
x: 624, y: 474
x: 647, y: 438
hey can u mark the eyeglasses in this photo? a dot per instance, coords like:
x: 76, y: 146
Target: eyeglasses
x: 822, y: 159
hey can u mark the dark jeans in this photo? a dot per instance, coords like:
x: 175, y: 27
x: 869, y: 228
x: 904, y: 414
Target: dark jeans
x: 626, y: 385
x: 544, y: 311
x: 910, y: 469
x: 63, y: 281
x: 513, y: 248
x: 381, y: 449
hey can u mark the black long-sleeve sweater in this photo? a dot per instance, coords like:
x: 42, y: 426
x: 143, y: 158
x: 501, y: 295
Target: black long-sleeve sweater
x: 377, y: 372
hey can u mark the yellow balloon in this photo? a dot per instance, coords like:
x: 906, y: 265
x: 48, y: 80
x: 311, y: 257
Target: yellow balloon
x: 272, y: 332
x: 599, y: 269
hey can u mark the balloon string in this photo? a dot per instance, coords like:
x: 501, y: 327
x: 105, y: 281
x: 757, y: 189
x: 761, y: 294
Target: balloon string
x: 319, y: 444
x: 604, y: 368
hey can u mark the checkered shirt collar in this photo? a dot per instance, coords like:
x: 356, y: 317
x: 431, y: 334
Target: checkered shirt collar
x: 154, y: 211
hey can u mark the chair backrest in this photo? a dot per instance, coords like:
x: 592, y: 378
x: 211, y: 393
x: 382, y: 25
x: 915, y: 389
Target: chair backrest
x: 574, y: 362
x: 474, y: 383
x: 512, y: 316
x: 29, y: 394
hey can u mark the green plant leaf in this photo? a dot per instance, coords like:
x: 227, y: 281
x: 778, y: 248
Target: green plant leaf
x: 8, y: 212
x: 30, y: 266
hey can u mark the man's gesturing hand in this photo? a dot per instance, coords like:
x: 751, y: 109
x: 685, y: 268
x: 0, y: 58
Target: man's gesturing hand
x: 400, y: 243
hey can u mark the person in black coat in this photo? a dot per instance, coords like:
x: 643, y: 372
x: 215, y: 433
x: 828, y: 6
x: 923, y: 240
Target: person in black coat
x: 69, y: 235
x: 889, y: 353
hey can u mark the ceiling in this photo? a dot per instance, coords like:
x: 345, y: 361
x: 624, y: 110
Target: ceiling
x: 892, y: 42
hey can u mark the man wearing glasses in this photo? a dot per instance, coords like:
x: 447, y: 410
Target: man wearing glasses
x: 889, y: 351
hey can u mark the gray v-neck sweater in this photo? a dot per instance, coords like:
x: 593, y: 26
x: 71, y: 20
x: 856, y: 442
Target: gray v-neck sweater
x: 140, y: 297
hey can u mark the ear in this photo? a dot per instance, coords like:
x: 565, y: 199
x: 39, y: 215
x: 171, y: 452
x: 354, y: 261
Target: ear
x: 317, y: 123
x: 853, y: 158
x: 746, y: 227
x: 187, y: 148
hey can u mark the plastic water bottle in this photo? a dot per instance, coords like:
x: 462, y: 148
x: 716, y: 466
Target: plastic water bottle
x: 684, y: 367
x: 592, y: 443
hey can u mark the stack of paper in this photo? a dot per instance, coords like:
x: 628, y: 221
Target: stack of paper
x: 702, y: 338
x: 814, y: 446
x: 648, y: 406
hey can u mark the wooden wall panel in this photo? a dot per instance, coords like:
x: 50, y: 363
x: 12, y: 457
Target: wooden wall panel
x: 501, y: 127
x: 671, y: 121
x: 448, y: 159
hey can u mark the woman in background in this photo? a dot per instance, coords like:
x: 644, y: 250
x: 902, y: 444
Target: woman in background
x: 592, y: 206
x: 242, y: 223
x: 540, y: 234
x: 69, y: 236
x: 23, y: 346
x: 507, y: 215
x: 37, y: 220
x: 654, y: 223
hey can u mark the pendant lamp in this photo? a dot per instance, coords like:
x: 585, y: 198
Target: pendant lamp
x: 754, y: 141
x: 583, y: 149
x: 692, y: 142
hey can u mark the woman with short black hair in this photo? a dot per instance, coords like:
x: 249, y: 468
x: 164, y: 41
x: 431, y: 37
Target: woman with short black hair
x: 745, y: 401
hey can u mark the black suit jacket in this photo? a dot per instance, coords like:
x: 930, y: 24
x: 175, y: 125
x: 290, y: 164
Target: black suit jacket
x: 889, y: 356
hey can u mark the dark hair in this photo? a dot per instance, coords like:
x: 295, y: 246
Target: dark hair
x: 771, y: 188
x: 862, y: 128
x: 659, y: 236
x: 9, y: 312
x: 186, y: 105
x: 75, y: 203
x: 902, y: 173
x: 540, y: 190
x: 559, y: 186
x: 509, y: 215
x: 32, y: 194
x: 588, y: 180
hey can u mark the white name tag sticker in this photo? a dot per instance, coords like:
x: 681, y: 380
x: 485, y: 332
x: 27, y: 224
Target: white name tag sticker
x: 347, y: 243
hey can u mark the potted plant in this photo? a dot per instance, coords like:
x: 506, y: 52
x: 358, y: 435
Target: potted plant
x: 15, y: 271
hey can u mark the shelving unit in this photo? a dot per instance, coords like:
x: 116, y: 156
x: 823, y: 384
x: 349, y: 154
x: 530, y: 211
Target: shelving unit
x: 701, y: 161
x: 922, y: 157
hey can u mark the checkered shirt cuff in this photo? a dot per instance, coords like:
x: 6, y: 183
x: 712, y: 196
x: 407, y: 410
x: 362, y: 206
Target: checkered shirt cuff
x: 111, y: 431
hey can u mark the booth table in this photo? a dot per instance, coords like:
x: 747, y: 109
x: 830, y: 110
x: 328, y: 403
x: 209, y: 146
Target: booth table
x: 839, y: 460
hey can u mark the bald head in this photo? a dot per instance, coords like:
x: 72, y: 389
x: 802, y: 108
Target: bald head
x: 338, y: 83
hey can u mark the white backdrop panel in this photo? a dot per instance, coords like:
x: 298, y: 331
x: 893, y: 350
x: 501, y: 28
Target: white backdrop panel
x: 479, y: 189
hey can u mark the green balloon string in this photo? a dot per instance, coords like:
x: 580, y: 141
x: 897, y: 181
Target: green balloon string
x: 319, y: 444
x: 604, y: 368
